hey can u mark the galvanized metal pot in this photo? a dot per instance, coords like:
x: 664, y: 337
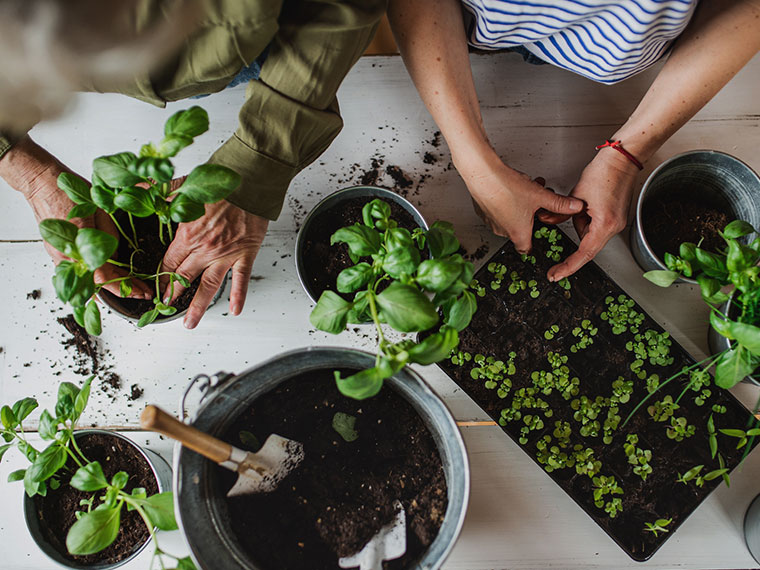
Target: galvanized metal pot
x: 719, y: 343
x: 714, y: 177
x: 163, y: 475
x: 752, y: 528
x: 201, y: 509
x: 334, y: 200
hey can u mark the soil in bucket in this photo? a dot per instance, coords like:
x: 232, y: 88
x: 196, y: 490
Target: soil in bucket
x: 146, y: 261
x: 671, y: 220
x: 343, y: 492
x: 56, y: 511
x: 322, y: 261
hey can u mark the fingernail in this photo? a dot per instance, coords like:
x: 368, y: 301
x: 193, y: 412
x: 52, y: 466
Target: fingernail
x: 576, y: 205
x: 236, y: 309
x: 190, y: 322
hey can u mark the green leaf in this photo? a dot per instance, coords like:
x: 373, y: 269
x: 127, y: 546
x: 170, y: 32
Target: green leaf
x: 209, y: 183
x: 89, y: 477
x: 708, y: 286
x: 344, y: 424
x: 137, y: 201
x: 119, y: 480
x: 733, y: 432
x: 93, y: 531
x: 406, y: 309
x: 331, y: 313
x: 67, y: 393
x: 737, y: 229
x: 83, y: 291
x: 434, y: 348
x: 114, y: 170
x: 79, y: 314
x: 458, y: 313
x: 733, y: 367
x: 160, y: 510
x: 17, y: 475
x: 746, y: 335
x: 438, y: 274
x: 183, y: 209
x: 29, y: 452
x: 48, y: 462
x: 662, y: 278
x: 688, y: 251
x: 364, y: 384
x: 186, y: 564
x: 189, y: 122
x: 441, y: 239
x: 396, y: 238
x: 158, y: 169
x: 147, y: 318
x: 740, y: 257
x: 65, y: 280
x: 8, y: 418
x: 721, y: 325
x: 48, y: 426
x: 92, y: 319
x: 125, y: 288
x: 360, y: 312
x: 361, y: 240
x: 4, y: 448
x: 712, y: 264
x: 80, y: 402
x: 171, y: 145
x: 23, y: 408
x: 377, y: 209
x: 75, y: 188
x: 715, y: 474
x: 81, y: 211
x: 401, y: 262
x: 103, y: 198
x: 60, y: 234
x: 353, y: 278
x: 33, y: 488
x: 95, y: 246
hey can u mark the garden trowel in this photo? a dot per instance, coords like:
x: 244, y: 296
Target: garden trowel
x: 258, y: 472
x: 388, y: 543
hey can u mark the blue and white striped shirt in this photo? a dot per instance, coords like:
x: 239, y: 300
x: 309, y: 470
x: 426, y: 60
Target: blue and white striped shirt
x: 604, y: 40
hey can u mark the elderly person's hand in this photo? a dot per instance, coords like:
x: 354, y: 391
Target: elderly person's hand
x: 226, y: 237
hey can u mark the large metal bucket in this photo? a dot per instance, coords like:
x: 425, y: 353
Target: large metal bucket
x: 201, y: 510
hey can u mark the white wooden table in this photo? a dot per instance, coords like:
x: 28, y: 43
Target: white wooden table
x: 543, y: 121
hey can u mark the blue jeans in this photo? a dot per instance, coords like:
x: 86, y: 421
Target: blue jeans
x: 246, y: 74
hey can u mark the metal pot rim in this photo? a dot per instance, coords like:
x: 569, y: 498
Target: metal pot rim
x: 344, y: 194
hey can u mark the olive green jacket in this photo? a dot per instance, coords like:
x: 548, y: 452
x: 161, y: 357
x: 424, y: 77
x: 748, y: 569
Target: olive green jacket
x: 290, y: 114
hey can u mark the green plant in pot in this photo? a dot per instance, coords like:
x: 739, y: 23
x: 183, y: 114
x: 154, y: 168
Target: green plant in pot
x: 63, y: 465
x: 735, y: 265
x: 394, y: 285
x: 127, y: 186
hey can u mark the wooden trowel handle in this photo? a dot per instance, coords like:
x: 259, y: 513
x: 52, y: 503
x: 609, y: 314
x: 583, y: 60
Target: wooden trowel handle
x: 155, y: 419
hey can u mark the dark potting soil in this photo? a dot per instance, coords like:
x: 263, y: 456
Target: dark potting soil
x: 56, y: 511
x: 322, y: 261
x: 151, y: 254
x: 343, y: 492
x: 514, y: 323
x: 669, y: 222
x: 86, y: 354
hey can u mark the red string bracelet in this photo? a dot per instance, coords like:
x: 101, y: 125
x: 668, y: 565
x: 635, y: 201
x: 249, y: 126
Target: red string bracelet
x: 619, y: 147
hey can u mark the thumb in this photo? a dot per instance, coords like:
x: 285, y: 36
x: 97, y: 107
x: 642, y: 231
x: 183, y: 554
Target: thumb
x: 559, y: 204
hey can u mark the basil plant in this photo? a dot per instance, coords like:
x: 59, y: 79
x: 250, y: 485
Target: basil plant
x: 413, y: 292
x: 125, y: 186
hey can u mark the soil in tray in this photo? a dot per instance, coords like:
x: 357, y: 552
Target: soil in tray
x: 322, y: 261
x: 670, y: 221
x: 513, y: 326
x: 146, y: 261
x: 343, y: 492
x: 57, y: 510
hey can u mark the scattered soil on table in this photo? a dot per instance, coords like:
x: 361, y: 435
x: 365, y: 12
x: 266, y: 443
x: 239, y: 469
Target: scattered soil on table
x: 146, y: 262
x: 670, y: 222
x: 57, y: 510
x: 516, y: 323
x: 34, y: 295
x: 322, y: 261
x: 343, y: 492
x: 135, y: 392
x: 86, y: 353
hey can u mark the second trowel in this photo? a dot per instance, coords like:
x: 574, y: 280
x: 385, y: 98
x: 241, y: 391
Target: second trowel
x: 258, y: 472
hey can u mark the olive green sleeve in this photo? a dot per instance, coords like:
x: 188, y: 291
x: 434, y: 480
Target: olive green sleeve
x: 290, y: 115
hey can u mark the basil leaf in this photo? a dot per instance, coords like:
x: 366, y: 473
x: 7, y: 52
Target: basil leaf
x: 722, y: 326
x: 733, y: 367
x: 688, y: 251
x: 89, y: 477
x: 8, y: 418
x: 95, y: 246
x: 353, y: 278
x: 75, y: 188
x: 93, y: 531
x: 359, y: 312
x: 209, y: 183
x: 136, y: 201
x: 662, y: 278
x: 83, y: 291
x: 186, y: 563
x: 441, y: 239
x: 406, y: 309
x: 125, y: 288
x: 160, y: 510
x: 114, y: 170
x: 65, y: 280
x: 331, y: 313
x: 746, y: 335
x: 157, y: 169
x: 397, y: 238
x: 438, y: 274
x: 80, y: 402
x: 189, y: 122
x: 364, y: 384
x: 712, y: 264
x: 361, y: 240
x: 737, y: 229
x: 458, y: 313
x: 400, y: 262
x: 435, y: 348
x: 740, y: 257
x: 184, y: 209
x: 81, y: 211
x: 23, y: 408
x: 33, y: 488
x: 103, y: 198
x: 48, y: 426
x: 377, y: 209
x: 171, y: 145
x: 4, y: 448
x: 67, y: 392
x: 48, y: 462
x: 344, y: 425
x: 147, y: 318
x: 17, y: 475
x: 60, y: 234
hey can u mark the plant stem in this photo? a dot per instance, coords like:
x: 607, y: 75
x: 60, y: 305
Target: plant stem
x: 76, y: 446
x: 134, y: 231
x: 171, y: 232
x: 132, y: 244
x: 118, y: 264
x: 158, y: 287
x: 375, y: 316
x: 72, y: 455
x: 161, y: 232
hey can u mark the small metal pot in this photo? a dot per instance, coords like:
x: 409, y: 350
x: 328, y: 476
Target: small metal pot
x: 161, y: 471
x: 719, y: 343
x: 752, y: 528
x: 333, y: 201
x: 714, y: 177
x: 114, y: 303
x: 201, y: 510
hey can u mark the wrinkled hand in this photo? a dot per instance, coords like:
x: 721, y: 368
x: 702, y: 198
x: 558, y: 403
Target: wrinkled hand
x: 49, y: 201
x: 606, y: 186
x: 226, y: 237
x: 508, y: 200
